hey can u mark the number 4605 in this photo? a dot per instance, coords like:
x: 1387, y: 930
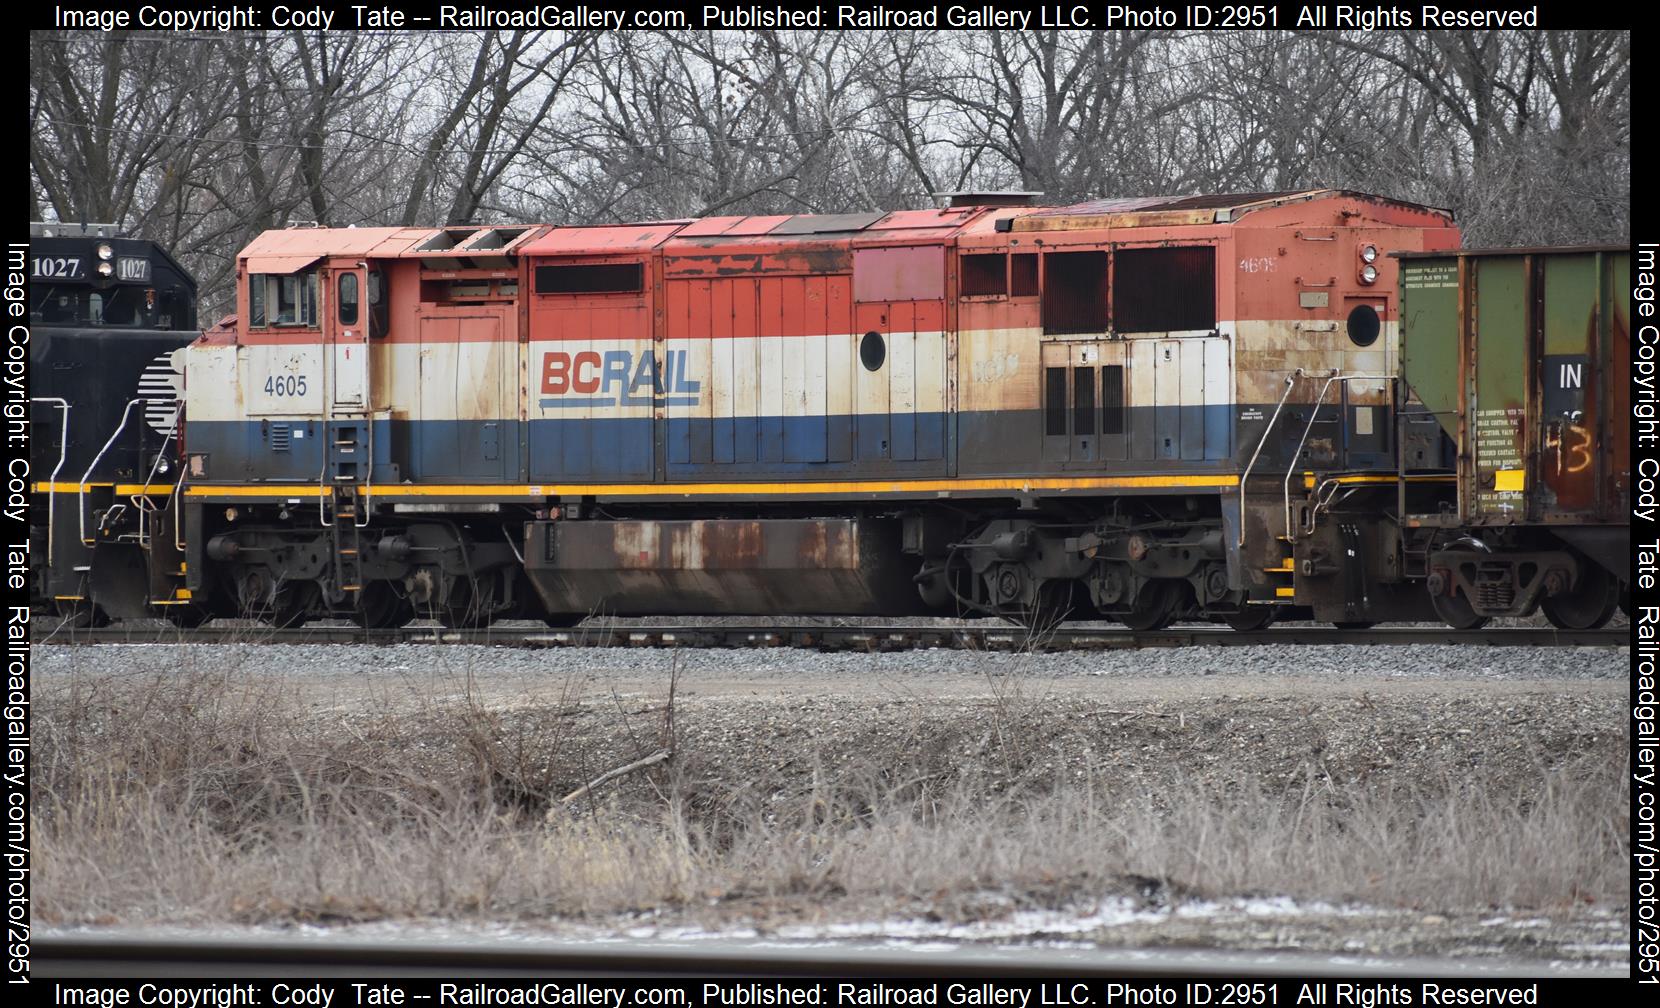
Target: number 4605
x: 285, y: 385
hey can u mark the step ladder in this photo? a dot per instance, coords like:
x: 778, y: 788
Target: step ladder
x: 345, y: 511
x: 1283, y: 574
x: 345, y: 540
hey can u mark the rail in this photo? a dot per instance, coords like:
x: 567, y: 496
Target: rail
x: 862, y: 639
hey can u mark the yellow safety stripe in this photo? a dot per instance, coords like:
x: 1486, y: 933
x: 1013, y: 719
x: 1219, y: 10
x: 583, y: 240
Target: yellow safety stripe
x: 1308, y: 478
x: 298, y: 491
x: 121, y: 489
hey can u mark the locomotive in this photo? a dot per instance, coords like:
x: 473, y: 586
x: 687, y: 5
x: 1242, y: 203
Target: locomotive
x: 106, y: 314
x: 1141, y: 410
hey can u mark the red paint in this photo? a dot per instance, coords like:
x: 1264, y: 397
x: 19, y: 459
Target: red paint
x: 585, y: 359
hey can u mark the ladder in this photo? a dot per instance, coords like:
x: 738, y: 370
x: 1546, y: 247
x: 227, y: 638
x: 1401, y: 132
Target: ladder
x: 344, y: 509
x: 345, y: 539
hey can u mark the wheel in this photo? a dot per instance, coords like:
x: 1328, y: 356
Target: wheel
x: 1154, y: 609
x: 1353, y: 624
x: 1248, y: 618
x: 467, y: 609
x: 381, y: 608
x: 80, y: 614
x: 1588, y: 605
x: 1456, y: 612
x: 1053, y: 607
x: 281, y: 604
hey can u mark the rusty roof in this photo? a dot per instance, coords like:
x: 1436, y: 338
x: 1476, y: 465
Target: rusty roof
x: 1137, y: 204
x: 317, y: 242
x: 900, y: 226
x: 601, y: 240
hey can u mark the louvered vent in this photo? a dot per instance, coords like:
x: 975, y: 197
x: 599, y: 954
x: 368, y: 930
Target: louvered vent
x: 279, y: 437
x: 160, y: 385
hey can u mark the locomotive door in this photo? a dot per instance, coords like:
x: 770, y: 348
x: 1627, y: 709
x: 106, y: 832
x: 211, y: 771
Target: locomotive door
x: 468, y: 366
x: 1083, y: 402
x: 347, y: 335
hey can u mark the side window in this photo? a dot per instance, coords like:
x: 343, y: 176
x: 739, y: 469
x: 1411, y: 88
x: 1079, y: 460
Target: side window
x: 378, y: 304
x: 1164, y: 289
x: 256, y: 301
x: 282, y: 300
x: 1075, y: 292
x: 348, y: 299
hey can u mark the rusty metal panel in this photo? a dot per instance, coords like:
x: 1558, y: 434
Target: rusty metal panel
x: 281, y: 265
x: 807, y: 224
x: 318, y: 242
x: 1568, y: 407
x: 829, y: 566
x: 906, y: 220
x: 912, y: 273
x: 621, y: 239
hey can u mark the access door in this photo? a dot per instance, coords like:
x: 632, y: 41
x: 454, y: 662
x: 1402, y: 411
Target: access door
x: 468, y: 367
x: 347, y: 337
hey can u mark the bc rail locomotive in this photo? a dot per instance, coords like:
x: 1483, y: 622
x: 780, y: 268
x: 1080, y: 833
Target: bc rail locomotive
x: 1139, y: 410
x: 106, y: 314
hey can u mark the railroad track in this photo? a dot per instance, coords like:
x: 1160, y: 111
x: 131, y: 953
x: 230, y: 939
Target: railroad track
x: 991, y: 637
x: 317, y: 957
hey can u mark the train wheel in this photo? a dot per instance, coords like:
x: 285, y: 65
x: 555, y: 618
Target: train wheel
x: 467, y: 609
x: 80, y: 614
x: 1353, y: 624
x: 1155, y: 607
x: 1456, y: 612
x: 381, y: 608
x: 1250, y: 618
x: 1589, y: 605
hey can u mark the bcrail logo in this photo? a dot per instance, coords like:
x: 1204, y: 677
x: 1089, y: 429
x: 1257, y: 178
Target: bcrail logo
x: 616, y: 378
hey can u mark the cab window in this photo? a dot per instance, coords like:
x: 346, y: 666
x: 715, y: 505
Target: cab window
x: 282, y: 300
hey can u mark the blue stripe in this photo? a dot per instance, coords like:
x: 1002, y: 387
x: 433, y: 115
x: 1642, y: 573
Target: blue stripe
x: 857, y: 446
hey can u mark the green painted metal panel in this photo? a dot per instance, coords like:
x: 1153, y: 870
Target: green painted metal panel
x: 1429, y: 336
x: 1498, y: 360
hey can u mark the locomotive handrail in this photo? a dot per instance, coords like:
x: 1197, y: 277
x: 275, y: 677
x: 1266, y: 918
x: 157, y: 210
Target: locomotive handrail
x: 52, y: 480
x: 80, y: 496
x: 141, y: 500
x: 1290, y: 383
x: 1312, y: 416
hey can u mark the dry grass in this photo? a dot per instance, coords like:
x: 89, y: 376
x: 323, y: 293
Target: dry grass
x: 206, y: 797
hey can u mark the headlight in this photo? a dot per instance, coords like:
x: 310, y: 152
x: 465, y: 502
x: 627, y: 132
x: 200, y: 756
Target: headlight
x: 106, y: 269
x: 104, y: 251
x: 1368, y: 274
x: 1368, y: 253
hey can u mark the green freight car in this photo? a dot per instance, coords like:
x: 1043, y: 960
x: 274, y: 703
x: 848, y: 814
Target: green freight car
x: 1523, y: 357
